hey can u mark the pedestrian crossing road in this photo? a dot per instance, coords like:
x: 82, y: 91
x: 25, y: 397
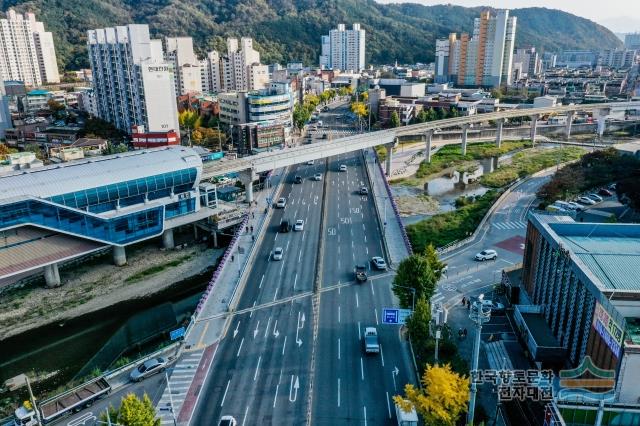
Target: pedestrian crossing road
x: 179, y: 383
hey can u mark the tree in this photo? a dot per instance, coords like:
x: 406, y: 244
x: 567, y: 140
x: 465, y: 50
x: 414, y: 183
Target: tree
x: 394, y: 120
x: 189, y: 119
x: 418, y: 324
x: 208, y: 137
x: 442, y: 399
x: 414, y: 272
x: 300, y: 116
x: 4, y: 151
x: 113, y: 148
x: 364, y: 96
x: 359, y: 109
x: 56, y: 107
x: 134, y: 411
x: 432, y: 257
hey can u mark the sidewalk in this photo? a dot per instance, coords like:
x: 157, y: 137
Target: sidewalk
x: 395, y: 237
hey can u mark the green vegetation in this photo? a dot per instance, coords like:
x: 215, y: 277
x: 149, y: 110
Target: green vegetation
x: 138, y: 276
x: 444, y: 228
x: 133, y: 411
x: 290, y: 29
x: 529, y: 162
x: 593, y: 170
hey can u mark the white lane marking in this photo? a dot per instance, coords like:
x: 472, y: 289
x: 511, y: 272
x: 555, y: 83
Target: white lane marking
x: 255, y: 375
x: 275, y: 296
x: 240, y: 347
x: 388, y: 405
x: 338, y: 348
x: 295, y: 280
x: 284, y: 345
x: 244, y: 419
x: 276, y: 237
x: 266, y: 330
x: 275, y: 396
x: 261, y: 280
x: 365, y: 415
x: 281, y: 268
x: 338, y: 391
x: 288, y: 245
x: 338, y: 313
x: 375, y: 311
x: 373, y: 292
x: 381, y: 355
x: 254, y: 305
x: 359, y: 335
x: 225, y: 393
x: 300, y: 254
x: 367, y: 250
x: 255, y: 332
x: 357, y: 301
x: 361, y: 368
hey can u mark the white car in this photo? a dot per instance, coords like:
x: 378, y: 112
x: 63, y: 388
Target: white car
x: 486, y: 255
x: 317, y: 177
x: 299, y: 226
x: 575, y: 206
x: 227, y: 421
x: 310, y: 163
x: 586, y: 200
x: 343, y: 167
x: 379, y: 263
x: 277, y: 253
x: 595, y: 197
x: 281, y: 203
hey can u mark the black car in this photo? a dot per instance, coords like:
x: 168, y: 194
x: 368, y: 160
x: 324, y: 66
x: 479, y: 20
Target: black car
x: 285, y: 226
x: 297, y: 179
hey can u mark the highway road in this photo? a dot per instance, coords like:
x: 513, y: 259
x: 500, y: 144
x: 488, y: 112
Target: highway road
x: 350, y: 387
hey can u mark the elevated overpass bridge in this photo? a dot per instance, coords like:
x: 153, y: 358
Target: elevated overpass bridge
x: 248, y: 167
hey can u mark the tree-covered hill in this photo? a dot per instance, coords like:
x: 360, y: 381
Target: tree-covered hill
x: 290, y: 29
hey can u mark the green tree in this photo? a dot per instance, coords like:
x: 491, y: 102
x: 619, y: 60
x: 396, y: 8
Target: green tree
x: 418, y: 324
x: 442, y: 399
x: 134, y: 411
x: 56, y: 108
x: 432, y: 257
x: 414, y: 272
x: 189, y: 119
x: 300, y: 116
x: 394, y: 120
x: 115, y: 148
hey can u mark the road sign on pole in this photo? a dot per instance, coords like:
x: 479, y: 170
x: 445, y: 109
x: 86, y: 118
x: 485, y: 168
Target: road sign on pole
x: 177, y: 333
x: 395, y: 315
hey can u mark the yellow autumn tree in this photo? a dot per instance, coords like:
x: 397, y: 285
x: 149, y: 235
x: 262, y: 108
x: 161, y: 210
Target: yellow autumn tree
x: 443, y: 398
x: 359, y: 109
x: 134, y: 411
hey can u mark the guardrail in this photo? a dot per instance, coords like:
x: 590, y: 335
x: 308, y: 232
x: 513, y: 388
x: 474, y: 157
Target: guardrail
x: 407, y: 243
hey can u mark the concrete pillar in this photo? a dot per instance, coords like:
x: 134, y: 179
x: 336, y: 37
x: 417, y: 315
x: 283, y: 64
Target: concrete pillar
x: 389, y: 156
x: 215, y: 239
x: 567, y: 128
x: 602, y: 123
x: 427, y: 150
x: 534, y: 128
x: 119, y: 256
x: 167, y: 239
x: 465, y: 128
x: 195, y: 232
x: 51, y: 275
x: 247, y: 177
x: 499, y: 124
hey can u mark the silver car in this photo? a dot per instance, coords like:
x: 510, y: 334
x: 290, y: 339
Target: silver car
x: 277, y: 253
x: 148, y: 368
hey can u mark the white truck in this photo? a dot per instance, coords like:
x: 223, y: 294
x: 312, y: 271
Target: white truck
x: 371, y: 345
x: 68, y: 402
x: 406, y: 418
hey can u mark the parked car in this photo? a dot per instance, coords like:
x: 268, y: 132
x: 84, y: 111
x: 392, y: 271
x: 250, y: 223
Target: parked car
x: 486, y: 255
x: 277, y: 253
x: 317, y: 177
x: 299, y: 226
x: 496, y: 307
x: 148, y: 368
x: 343, y: 167
x: 297, y: 179
x: 379, y: 263
x: 586, y: 200
x: 285, y: 226
x: 364, y: 190
x: 605, y: 192
x: 595, y: 197
x: 575, y: 206
x: 281, y: 203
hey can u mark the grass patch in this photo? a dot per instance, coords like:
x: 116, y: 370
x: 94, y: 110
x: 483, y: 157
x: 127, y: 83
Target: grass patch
x: 138, y: 276
x: 445, y: 228
x: 526, y: 163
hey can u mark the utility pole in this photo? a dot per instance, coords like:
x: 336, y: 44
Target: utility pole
x: 479, y: 314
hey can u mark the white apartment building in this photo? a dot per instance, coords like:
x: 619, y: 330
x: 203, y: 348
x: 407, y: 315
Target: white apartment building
x: 186, y: 65
x: 133, y: 84
x: 343, y: 49
x: 27, y: 52
x: 528, y: 62
x: 239, y: 70
x: 632, y: 41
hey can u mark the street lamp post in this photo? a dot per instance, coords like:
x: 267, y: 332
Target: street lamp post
x: 173, y: 413
x: 479, y: 314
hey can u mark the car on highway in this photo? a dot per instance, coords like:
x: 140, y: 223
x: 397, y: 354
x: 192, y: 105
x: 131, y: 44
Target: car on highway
x: 310, y: 163
x: 227, y: 421
x: 148, y: 368
x: 364, y: 190
x: 317, y: 176
x: 486, y: 255
x: 285, y: 226
x: 586, y: 200
x: 595, y: 197
x: 299, y: 226
x: 277, y: 253
x: 361, y: 273
x: 281, y: 203
x: 379, y: 263
x: 370, y: 341
x: 297, y: 179
x: 343, y: 167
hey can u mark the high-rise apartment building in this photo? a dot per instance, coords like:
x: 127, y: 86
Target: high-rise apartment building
x: 485, y: 59
x: 343, y: 49
x: 617, y: 58
x: 133, y: 84
x: 632, y: 41
x: 528, y: 61
x: 186, y: 65
x: 27, y: 52
x: 239, y: 70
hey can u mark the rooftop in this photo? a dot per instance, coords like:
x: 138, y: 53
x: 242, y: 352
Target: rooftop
x: 38, y: 92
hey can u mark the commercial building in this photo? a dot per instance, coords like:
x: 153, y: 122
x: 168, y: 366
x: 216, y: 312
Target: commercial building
x: 27, y: 52
x: 485, y: 59
x: 529, y: 62
x: 239, y: 70
x: 186, y: 66
x: 343, y: 49
x: 250, y: 138
x: 133, y: 84
x: 579, y: 297
x: 54, y: 213
x: 274, y: 104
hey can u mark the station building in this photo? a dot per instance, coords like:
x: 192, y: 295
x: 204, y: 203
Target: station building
x: 55, y: 213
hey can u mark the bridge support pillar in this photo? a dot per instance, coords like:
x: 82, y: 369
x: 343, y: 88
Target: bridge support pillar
x: 119, y: 256
x: 215, y: 239
x: 534, y: 128
x: 167, y: 239
x: 465, y: 128
x: 247, y: 177
x: 51, y: 275
x: 602, y: 120
x: 389, y: 148
x: 427, y: 150
x: 567, y: 128
x: 499, y: 124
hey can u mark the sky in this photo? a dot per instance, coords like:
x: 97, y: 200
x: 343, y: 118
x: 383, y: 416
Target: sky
x: 619, y: 16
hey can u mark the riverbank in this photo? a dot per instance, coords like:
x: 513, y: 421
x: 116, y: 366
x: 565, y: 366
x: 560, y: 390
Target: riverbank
x: 99, y: 284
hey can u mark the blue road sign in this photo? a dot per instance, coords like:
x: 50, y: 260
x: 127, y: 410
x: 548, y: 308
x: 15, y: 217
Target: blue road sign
x: 390, y: 316
x: 177, y: 333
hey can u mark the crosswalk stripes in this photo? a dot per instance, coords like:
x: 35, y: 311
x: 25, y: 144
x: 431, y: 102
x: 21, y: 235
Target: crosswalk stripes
x: 510, y: 225
x: 180, y: 379
x: 437, y: 297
